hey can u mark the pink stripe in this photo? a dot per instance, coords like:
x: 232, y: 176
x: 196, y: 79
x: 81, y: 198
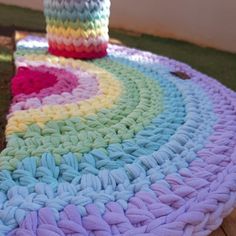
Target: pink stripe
x: 31, y: 80
x: 65, y: 82
x: 72, y: 86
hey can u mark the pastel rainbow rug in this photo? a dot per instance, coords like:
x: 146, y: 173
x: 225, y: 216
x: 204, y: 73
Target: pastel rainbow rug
x: 131, y: 144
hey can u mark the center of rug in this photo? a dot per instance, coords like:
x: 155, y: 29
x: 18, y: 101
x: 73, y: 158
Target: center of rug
x: 29, y: 80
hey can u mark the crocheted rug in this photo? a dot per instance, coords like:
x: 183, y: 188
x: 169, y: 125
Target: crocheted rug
x: 131, y: 144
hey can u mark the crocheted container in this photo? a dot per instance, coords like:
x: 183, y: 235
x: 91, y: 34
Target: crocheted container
x: 130, y: 144
x: 77, y: 28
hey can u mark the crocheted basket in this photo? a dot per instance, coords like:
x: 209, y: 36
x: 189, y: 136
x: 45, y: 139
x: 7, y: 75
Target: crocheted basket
x: 130, y: 144
x: 77, y: 28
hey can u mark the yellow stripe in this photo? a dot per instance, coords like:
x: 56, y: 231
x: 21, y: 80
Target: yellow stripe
x: 110, y: 90
x: 78, y: 33
x: 96, y: 23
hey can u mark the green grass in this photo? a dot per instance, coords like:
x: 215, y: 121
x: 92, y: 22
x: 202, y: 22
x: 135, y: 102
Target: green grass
x: 218, y: 64
x: 21, y: 17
